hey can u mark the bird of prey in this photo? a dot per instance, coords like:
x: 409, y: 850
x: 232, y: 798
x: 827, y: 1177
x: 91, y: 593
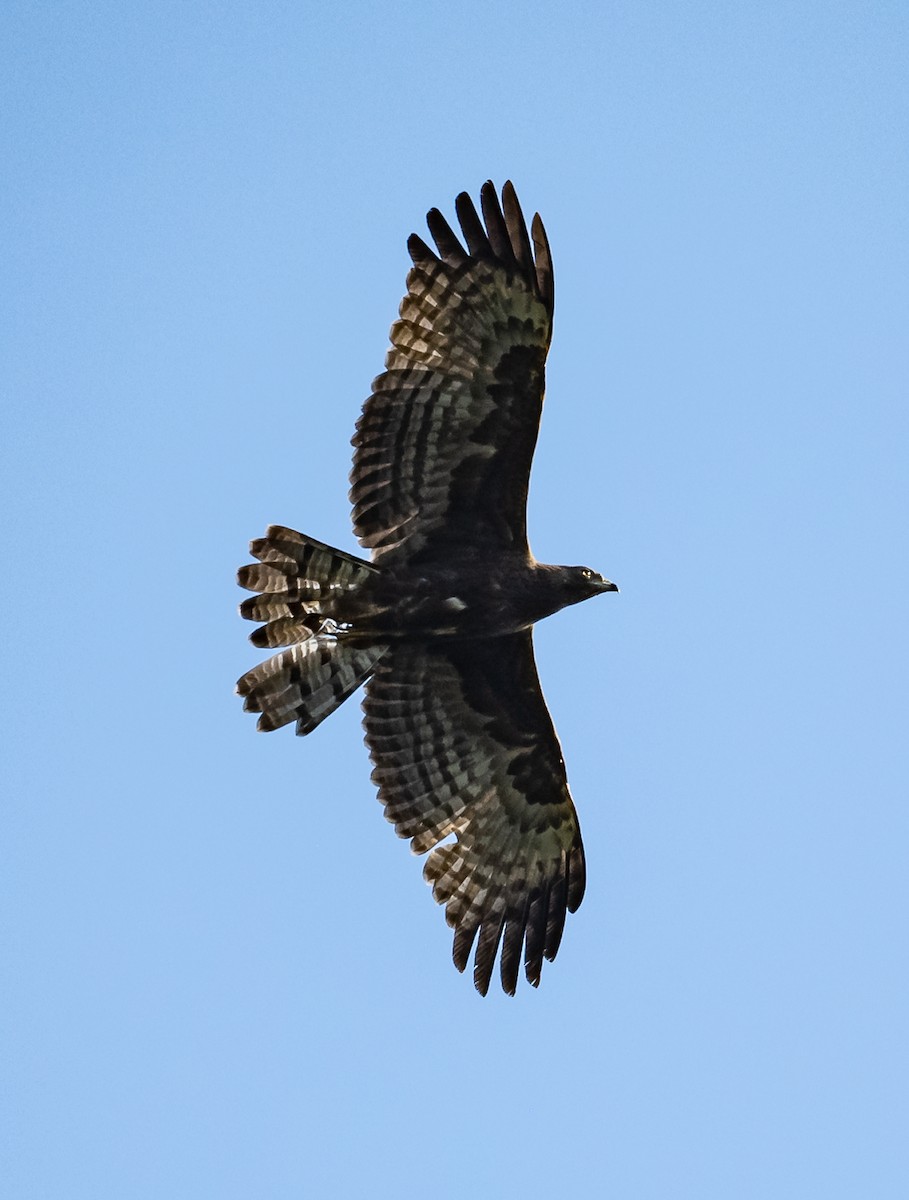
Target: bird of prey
x: 438, y: 622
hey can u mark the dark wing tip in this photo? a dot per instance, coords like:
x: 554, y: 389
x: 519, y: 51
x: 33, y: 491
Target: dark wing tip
x: 472, y: 227
x: 463, y: 944
x: 487, y: 948
x: 505, y: 236
x: 517, y: 230
x: 543, y: 262
x: 537, y: 913
x: 577, y: 876
x: 500, y: 235
x: 445, y: 238
x: 419, y: 252
x: 555, y: 922
x: 512, y: 941
x: 496, y: 228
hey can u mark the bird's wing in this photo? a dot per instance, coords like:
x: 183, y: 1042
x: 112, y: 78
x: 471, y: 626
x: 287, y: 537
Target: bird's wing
x: 444, y: 444
x: 463, y: 745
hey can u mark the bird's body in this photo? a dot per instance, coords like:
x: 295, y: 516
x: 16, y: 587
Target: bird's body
x: 464, y: 598
x: 438, y: 623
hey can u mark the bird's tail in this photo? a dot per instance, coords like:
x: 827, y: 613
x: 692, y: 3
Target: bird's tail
x: 298, y: 580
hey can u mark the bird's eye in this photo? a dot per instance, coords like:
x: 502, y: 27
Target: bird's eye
x: 587, y: 573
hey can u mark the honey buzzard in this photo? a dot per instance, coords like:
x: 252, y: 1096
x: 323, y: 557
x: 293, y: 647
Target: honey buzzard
x: 438, y: 623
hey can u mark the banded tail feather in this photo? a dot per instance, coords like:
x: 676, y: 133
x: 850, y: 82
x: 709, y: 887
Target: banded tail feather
x: 307, y: 682
x: 298, y: 579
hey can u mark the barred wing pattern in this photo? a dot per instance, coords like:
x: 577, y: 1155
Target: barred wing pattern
x: 463, y: 744
x: 444, y: 445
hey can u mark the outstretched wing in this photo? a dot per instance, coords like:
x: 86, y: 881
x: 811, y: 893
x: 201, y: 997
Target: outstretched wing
x: 444, y: 444
x: 463, y: 744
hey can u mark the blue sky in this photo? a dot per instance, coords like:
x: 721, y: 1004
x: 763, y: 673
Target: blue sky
x: 224, y: 974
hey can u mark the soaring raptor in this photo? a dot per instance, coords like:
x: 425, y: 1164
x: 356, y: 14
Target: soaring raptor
x: 438, y: 622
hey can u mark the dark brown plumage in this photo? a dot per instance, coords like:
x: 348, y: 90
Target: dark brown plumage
x: 438, y: 623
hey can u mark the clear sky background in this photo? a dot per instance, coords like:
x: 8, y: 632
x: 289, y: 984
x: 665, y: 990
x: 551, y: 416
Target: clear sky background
x: 224, y: 976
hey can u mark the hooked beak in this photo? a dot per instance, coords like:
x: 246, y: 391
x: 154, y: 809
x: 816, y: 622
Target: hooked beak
x: 606, y: 585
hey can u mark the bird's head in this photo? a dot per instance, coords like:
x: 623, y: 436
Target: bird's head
x: 585, y: 582
x: 574, y: 584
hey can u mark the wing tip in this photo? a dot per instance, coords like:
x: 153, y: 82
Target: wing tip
x: 543, y: 261
x: 420, y: 253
